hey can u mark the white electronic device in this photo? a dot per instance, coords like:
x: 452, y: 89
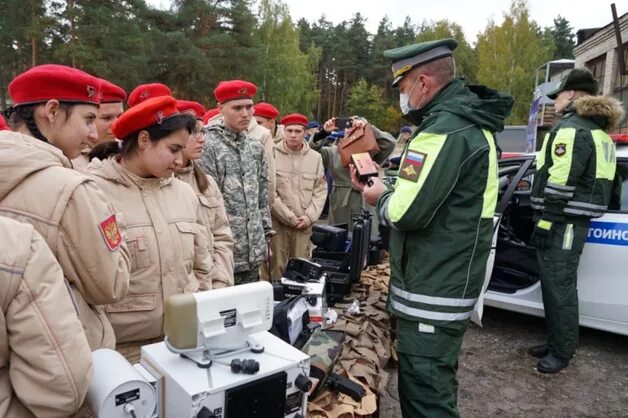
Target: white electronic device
x: 217, y: 361
x: 314, y: 291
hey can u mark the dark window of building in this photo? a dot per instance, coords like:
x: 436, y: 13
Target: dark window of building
x: 621, y: 80
x: 598, y: 66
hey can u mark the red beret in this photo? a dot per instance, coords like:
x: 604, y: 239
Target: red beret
x: 294, y: 119
x: 3, y: 124
x: 265, y: 110
x: 194, y: 108
x: 234, y: 90
x: 210, y: 114
x: 147, y: 91
x: 144, y: 115
x: 110, y: 93
x: 51, y: 81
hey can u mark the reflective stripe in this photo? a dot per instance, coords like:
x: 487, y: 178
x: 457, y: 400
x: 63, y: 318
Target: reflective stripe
x: 543, y: 224
x: 605, y: 159
x: 583, y: 212
x: 540, y: 159
x: 406, y: 191
x: 586, y: 205
x: 557, y: 193
x: 537, y: 207
x: 489, y: 199
x: 536, y: 199
x: 561, y: 165
x: 560, y: 187
x: 432, y: 300
x: 423, y: 314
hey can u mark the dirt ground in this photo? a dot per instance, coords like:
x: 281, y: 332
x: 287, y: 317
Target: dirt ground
x: 497, y: 378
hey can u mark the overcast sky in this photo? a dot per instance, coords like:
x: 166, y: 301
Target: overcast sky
x: 471, y: 15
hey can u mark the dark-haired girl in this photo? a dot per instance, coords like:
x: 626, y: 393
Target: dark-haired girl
x: 165, y: 234
x: 53, y: 113
x: 212, y: 205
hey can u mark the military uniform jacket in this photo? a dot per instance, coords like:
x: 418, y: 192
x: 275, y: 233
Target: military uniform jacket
x: 167, y: 242
x: 45, y: 360
x: 214, y: 215
x: 238, y: 164
x: 576, y: 165
x: 344, y: 200
x: 77, y: 221
x: 301, y: 185
x: 441, y: 211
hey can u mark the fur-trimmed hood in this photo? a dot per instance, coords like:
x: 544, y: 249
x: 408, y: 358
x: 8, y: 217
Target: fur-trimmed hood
x: 606, y: 111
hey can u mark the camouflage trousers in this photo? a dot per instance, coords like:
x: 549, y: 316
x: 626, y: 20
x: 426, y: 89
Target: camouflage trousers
x: 246, y: 276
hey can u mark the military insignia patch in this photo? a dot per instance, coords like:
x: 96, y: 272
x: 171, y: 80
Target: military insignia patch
x: 110, y: 232
x: 560, y: 149
x: 160, y: 117
x: 145, y: 94
x: 412, y: 165
x: 91, y: 91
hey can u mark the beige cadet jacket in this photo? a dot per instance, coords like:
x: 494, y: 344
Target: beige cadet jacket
x: 301, y: 185
x: 168, y: 247
x: 80, y: 163
x: 77, y: 221
x: 45, y: 361
x: 214, y: 216
x: 263, y: 135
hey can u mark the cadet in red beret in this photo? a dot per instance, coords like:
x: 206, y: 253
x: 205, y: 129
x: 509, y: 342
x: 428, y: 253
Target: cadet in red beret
x: 54, y: 115
x: 266, y: 116
x: 147, y: 91
x: 3, y: 124
x: 301, y: 194
x: 169, y: 248
x: 112, y: 98
x: 240, y: 168
x: 194, y: 108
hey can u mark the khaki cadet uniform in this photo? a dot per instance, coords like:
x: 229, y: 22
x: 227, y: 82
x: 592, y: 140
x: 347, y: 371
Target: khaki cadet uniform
x: 45, y: 360
x: 168, y: 249
x: 344, y: 201
x: 279, y: 134
x: 301, y: 190
x: 77, y: 222
x: 80, y: 163
x: 240, y: 169
x: 216, y: 222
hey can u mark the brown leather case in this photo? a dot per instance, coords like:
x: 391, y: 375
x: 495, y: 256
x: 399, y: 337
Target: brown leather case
x: 356, y: 141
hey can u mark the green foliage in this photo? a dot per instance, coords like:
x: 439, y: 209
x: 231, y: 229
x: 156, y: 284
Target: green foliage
x: 316, y: 67
x: 508, y: 55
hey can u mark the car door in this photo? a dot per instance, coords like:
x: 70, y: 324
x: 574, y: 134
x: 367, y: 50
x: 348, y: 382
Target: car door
x: 603, y: 269
x: 510, y: 173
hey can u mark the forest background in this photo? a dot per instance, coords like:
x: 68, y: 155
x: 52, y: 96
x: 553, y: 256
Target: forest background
x: 316, y: 68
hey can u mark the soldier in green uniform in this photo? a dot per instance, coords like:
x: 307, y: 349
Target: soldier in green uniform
x: 572, y: 184
x: 239, y: 166
x: 440, y: 212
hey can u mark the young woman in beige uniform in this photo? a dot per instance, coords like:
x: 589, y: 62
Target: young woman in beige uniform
x: 212, y: 205
x: 165, y: 233
x: 53, y: 113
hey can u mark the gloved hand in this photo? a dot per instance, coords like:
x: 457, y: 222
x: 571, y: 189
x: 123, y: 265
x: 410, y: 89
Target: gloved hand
x: 541, y: 234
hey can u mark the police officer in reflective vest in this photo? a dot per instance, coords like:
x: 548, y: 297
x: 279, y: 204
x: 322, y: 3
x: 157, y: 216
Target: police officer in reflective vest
x: 441, y: 216
x: 572, y: 184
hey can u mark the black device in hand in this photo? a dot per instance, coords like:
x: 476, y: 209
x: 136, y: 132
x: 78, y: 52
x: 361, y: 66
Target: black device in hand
x: 343, y: 123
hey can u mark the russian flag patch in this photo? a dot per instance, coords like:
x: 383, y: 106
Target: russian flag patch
x: 412, y: 165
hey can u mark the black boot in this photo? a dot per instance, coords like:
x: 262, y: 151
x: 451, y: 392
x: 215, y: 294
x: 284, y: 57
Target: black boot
x: 539, y: 351
x: 551, y: 364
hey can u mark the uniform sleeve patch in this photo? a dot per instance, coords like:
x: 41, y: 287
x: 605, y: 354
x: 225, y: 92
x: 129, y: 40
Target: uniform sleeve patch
x: 111, y: 232
x: 560, y: 149
x: 412, y: 165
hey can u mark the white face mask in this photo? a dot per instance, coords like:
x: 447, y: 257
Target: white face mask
x: 404, y: 100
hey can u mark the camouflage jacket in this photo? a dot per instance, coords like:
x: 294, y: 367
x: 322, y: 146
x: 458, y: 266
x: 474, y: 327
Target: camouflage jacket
x: 239, y: 166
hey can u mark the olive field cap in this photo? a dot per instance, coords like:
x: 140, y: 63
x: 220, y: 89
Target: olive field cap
x: 578, y: 79
x: 409, y: 57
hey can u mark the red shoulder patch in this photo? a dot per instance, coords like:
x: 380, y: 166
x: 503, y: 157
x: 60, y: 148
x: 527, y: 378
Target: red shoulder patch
x: 111, y: 232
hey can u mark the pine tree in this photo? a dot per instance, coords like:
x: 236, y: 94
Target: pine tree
x: 563, y: 37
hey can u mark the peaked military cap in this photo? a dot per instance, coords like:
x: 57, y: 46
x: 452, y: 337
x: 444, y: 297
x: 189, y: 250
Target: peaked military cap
x: 409, y: 57
x: 578, y: 79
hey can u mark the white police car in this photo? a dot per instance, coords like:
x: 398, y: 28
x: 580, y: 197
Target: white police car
x: 513, y: 276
